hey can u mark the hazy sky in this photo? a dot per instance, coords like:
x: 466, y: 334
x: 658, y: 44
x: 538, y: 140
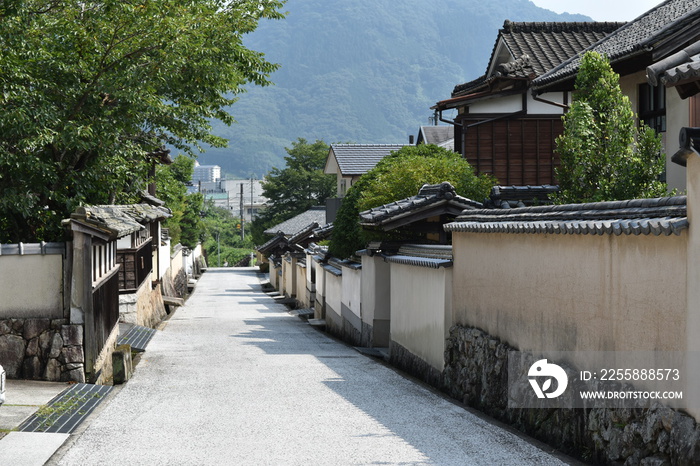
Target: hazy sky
x: 600, y: 10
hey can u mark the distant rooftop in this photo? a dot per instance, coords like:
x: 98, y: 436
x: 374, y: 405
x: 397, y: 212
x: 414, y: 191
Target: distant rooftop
x: 358, y: 159
x: 296, y: 224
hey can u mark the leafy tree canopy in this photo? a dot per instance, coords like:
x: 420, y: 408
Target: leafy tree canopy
x: 171, y: 181
x: 297, y: 187
x: 400, y: 175
x: 604, y: 155
x: 89, y: 89
x: 222, y: 240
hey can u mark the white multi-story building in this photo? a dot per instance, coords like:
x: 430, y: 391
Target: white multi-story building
x: 206, y: 173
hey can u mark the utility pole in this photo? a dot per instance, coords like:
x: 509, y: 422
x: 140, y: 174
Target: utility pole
x: 251, y: 198
x: 218, y: 249
x: 242, y: 226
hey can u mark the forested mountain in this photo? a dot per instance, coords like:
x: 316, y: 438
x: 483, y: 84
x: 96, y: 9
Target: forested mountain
x: 363, y: 71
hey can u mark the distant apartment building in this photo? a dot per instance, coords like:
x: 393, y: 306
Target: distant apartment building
x: 206, y: 173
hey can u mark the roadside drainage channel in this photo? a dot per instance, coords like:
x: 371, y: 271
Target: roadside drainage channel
x: 137, y: 337
x: 67, y: 409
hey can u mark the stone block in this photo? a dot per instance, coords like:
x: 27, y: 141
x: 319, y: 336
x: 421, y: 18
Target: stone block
x: 122, y: 366
x: 5, y: 327
x: 56, y: 346
x: 52, y: 372
x: 32, y: 368
x: 33, y: 347
x: 17, y: 326
x: 72, y: 354
x: 72, y: 335
x: 75, y: 375
x: 56, y: 324
x: 12, y: 349
x: 35, y: 327
x: 45, y: 340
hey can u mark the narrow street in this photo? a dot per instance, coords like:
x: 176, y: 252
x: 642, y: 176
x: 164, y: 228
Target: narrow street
x: 234, y: 379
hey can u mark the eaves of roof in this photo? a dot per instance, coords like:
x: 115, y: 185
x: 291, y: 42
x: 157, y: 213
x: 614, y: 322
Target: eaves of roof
x: 419, y: 261
x: 434, y: 199
x: 277, y: 240
x: 644, y: 35
x: 660, y: 216
x: 455, y: 102
x: 304, y: 233
x: 685, y: 77
x: 120, y: 220
x: 680, y: 70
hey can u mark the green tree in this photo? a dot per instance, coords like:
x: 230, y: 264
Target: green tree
x: 89, y: 90
x: 171, y: 187
x: 604, y: 155
x: 192, y: 229
x: 222, y: 239
x: 400, y: 175
x: 297, y: 187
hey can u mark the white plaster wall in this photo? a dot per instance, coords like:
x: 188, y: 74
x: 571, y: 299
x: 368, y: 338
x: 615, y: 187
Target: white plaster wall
x: 376, y: 298
x: 509, y: 104
x: 692, y: 341
x: 351, y: 295
x: 301, y: 285
x: 273, y: 276
x: 288, y: 285
x: 583, y: 294
x: 677, y: 117
x: 513, y: 103
x: 333, y: 294
x: 164, y: 259
x: 573, y: 292
x: 368, y: 290
x: 309, y: 269
x: 535, y: 107
x: 421, y: 310
x: 31, y: 286
x: 176, y: 262
x: 319, y: 305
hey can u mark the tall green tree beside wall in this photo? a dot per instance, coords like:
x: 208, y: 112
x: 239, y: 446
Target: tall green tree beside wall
x: 400, y: 175
x: 604, y: 155
x: 171, y: 187
x: 89, y: 89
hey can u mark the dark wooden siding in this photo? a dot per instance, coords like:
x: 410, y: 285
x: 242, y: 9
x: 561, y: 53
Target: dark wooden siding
x: 515, y: 151
x: 694, y: 111
x: 102, y: 320
x: 136, y: 266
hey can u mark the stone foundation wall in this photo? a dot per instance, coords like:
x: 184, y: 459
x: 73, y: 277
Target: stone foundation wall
x: 42, y: 349
x: 145, y: 307
x: 476, y: 373
x: 174, y: 286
